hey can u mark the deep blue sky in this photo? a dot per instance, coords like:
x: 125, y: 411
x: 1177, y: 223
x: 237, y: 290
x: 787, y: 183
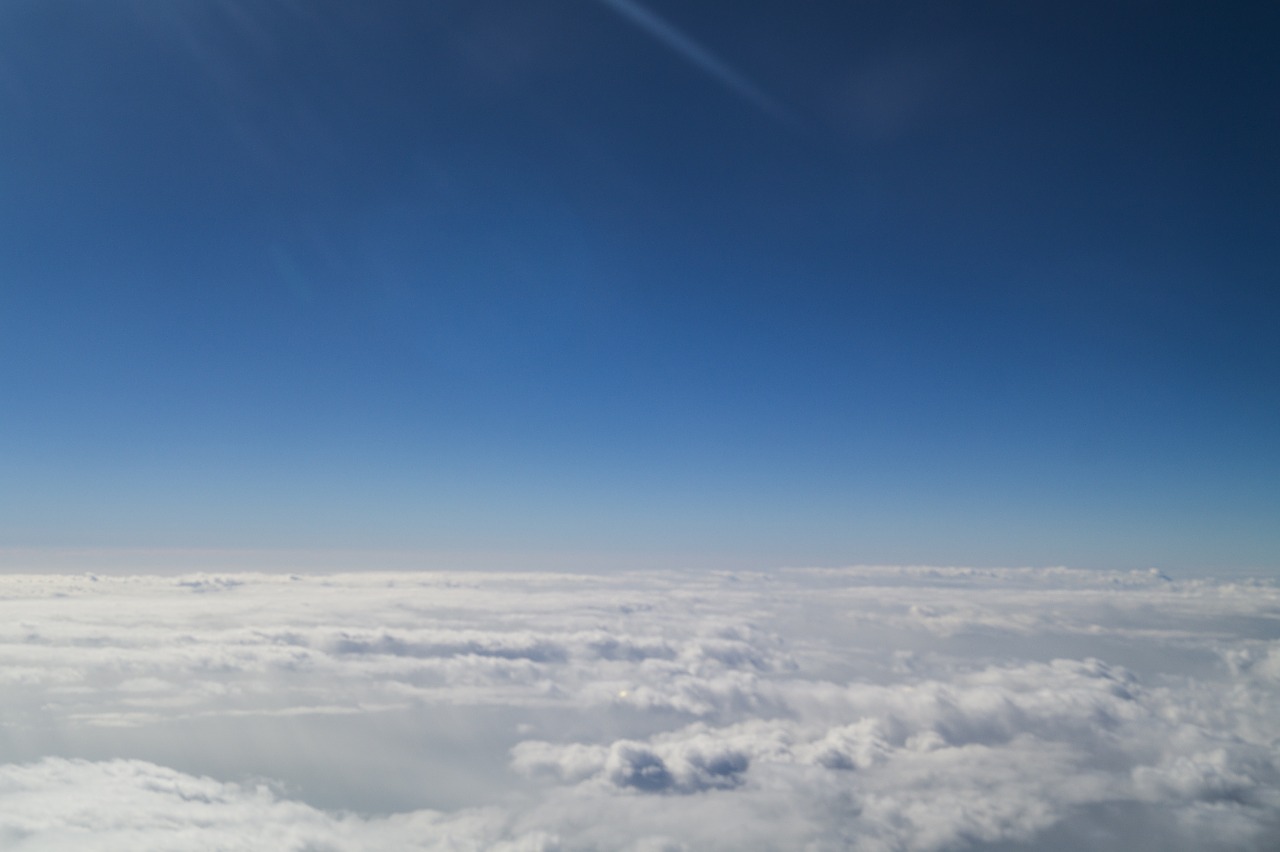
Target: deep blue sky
x: 823, y: 282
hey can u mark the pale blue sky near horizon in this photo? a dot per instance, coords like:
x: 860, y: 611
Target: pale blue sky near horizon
x: 701, y: 282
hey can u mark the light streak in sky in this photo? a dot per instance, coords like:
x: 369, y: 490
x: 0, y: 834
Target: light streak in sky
x: 699, y: 56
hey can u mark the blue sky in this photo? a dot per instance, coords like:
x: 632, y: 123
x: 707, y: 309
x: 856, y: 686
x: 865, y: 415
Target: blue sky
x: 779, y: 283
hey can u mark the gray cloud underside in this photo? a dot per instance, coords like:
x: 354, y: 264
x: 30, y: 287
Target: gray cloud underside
x: 870, y: 708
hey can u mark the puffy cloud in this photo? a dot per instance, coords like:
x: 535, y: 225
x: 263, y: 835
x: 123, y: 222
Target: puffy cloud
x: 129, y: 804
x: 870, y: 708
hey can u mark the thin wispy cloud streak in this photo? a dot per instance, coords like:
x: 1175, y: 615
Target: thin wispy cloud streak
x: 700, y: 57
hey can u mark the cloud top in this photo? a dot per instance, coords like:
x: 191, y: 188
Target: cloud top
x: 871, y: 708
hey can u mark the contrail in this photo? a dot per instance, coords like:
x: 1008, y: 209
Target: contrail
x: 699, y: 56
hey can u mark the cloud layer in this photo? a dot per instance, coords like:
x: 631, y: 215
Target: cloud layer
x: 865, y: 708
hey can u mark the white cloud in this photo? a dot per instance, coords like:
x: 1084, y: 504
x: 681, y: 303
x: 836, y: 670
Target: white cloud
x: 130, y: 805
x: 871, y: 708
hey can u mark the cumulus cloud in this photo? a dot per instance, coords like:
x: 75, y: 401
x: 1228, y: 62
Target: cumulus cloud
x: 129, y: 804
x: 866, y: 708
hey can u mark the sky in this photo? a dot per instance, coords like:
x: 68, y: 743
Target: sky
x: 706, y: 282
